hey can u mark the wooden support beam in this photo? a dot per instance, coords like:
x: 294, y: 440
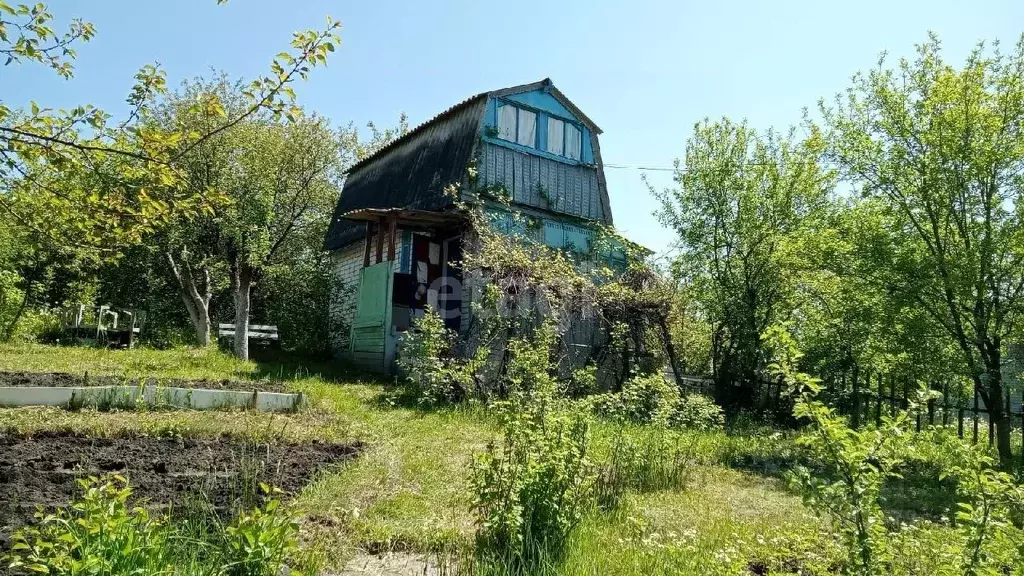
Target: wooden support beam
x: 392, y: 237
x: 380, y: 240
x: 366, y: 247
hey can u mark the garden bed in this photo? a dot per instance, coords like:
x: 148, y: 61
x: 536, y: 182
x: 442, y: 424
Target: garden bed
x: 66, y: 380
x: 43, y: 469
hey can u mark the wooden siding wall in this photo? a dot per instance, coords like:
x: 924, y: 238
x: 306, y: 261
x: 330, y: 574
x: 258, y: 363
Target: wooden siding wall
x: 571, y: 189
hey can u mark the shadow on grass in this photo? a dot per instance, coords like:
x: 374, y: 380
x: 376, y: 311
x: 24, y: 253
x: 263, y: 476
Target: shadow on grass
x: 917, y: 493
x: 282, y: 365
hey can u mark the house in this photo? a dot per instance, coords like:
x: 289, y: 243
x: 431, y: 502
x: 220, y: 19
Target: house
x: 394, y: 234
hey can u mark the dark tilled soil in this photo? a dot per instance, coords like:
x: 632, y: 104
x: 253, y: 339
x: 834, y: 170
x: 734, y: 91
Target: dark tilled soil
x: 51, y: 379
x: 43, y: 470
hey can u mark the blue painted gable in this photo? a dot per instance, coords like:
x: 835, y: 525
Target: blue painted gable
x: 545, y: 102
x: 546, y: 106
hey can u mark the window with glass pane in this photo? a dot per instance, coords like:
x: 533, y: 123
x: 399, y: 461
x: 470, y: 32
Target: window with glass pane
x: 556, y: 136
x: 507, y: 122
x: 573, y: 140
x: 527, y: 128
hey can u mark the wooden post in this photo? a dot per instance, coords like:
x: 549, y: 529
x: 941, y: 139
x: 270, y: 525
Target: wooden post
x: 856, y: 398
x: 380, y: 240
x: 366, y: 247
x: 671, y: 349
x: 392, y: 237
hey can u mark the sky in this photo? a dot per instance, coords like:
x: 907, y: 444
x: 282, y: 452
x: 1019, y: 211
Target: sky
x: 645, y: 71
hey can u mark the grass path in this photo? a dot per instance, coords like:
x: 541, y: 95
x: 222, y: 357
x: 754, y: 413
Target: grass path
x: 408, y: 490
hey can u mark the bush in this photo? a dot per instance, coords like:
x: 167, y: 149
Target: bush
x: 98, y: 534
x: 646, y: 399
x: 424, y: 355
x: 652, y: 399
x: 697, y: 412
x: 533, y: 490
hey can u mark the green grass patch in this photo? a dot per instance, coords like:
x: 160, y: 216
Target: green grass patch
x: 409, y: 488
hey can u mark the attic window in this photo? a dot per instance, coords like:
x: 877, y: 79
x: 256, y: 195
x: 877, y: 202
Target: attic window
x: 573, y: 139
x: 517, y: 125
x: 556, y: 136
x: 507, y: 122
x: 527, y: 135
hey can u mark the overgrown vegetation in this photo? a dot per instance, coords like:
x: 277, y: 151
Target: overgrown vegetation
x: 102, y: 533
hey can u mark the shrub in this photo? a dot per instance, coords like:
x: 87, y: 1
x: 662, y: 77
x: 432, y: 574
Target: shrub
x: 697, y: 412
x: 855, y: 463
x: 652, y: 399
x: 533, y: 490
x: 260, y: 540
x: 424, y: 355
x: 646, y: 399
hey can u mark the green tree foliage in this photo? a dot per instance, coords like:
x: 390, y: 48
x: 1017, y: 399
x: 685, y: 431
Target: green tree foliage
x: 852, y: 465
x: 937, y: 155
x: 742, y: 205
x: 78, y: 180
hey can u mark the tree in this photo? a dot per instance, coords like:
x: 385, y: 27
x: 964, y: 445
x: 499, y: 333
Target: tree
x: 740, y: 202
x: 285, y: 184
x: 79, y: 181
x: 939, y: 151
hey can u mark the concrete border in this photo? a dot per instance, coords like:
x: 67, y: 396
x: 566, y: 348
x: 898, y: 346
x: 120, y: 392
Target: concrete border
x: 151, y: 396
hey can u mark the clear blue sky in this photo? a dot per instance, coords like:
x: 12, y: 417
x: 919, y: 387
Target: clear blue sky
x: 644, y: 70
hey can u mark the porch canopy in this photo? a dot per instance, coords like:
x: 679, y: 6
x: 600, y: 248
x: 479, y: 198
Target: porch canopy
x: 391, y: 219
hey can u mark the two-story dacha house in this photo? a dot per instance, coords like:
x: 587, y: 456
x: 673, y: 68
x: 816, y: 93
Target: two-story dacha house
x: 395, y: 234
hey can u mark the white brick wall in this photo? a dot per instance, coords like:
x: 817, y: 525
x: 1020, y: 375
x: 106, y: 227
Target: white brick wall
x: 345, y: 266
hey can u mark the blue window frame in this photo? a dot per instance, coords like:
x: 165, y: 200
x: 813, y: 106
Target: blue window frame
x: 517, y: 125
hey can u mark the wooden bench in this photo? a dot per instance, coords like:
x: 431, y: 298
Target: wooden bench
x: 256, y: 332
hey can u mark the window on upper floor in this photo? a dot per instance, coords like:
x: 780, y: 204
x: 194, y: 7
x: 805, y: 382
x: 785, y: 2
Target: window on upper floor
x: 556, y: 136
x: 527, y: 135
x: 517, y: 125
x: 573, y: 142
x: 507, y: 122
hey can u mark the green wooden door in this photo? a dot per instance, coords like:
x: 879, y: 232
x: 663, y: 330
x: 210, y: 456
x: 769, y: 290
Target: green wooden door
x: 372, y: 322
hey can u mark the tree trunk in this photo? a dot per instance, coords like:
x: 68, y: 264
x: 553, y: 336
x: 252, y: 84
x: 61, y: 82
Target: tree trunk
x: 26, y: 296
x: 241, y: 285
x: 998, y: 410
x: 197, y: 304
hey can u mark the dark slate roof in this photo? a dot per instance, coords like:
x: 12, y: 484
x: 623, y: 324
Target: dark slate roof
x: 413, y: 171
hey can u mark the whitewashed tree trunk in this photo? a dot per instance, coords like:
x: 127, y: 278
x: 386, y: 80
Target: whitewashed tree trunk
x: 196, y: 303
x: 241, y: 285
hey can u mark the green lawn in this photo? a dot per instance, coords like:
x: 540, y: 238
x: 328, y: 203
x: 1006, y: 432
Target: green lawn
x: 408, y: 490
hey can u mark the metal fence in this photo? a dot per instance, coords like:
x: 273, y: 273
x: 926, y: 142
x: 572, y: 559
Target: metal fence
x: 866, y: 395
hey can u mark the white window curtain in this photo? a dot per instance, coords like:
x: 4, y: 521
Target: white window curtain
x: 556, y: 136
x: 572, y: 142
x: 527, y: 128
x: 507, y: 122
